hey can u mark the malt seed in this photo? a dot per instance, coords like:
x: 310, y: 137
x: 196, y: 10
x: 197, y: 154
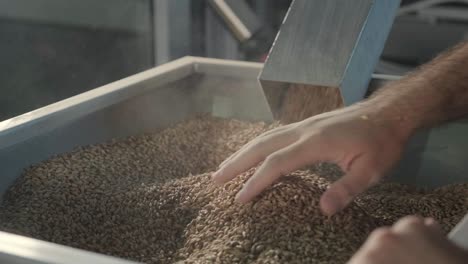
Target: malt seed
x: 150, y: 198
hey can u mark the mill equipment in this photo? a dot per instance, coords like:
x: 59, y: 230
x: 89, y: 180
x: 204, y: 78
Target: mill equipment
x: 338, y: 48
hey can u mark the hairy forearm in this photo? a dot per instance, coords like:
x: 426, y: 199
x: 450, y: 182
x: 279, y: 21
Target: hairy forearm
x: 434, y: 93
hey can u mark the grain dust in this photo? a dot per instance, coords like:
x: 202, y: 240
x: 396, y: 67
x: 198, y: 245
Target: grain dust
x: 303, y: 101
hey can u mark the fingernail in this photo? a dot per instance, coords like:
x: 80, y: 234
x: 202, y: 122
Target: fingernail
x: 429, y: 221
x: 215, y: 177
x: 222, y: 164
x: 226, y: 161
x: 240, y: 196
x: 330, y: 204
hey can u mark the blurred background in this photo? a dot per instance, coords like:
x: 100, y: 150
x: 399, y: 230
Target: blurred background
x: 54, y: 49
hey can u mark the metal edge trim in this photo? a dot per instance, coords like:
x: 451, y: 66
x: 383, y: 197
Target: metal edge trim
x: 459, y: 234
x: 211, y: 65
x: 47, y: 118
x: 360, y: 62
x: 228, y: 68
x: 30, y: 250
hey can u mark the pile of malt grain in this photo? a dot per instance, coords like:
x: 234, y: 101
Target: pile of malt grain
x: 284, y: 225
x: 391, y: 201
x: 150, y: 198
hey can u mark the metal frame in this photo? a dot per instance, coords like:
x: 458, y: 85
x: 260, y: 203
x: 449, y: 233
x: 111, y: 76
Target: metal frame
x: 459, y: 234
x: 16, y: 249
x: 141, y: 102
x: 219, y: 42
x: 161, y: 34
x: 172, y: 29
x: 332, y: 43
x: 110, y: 111
x: 421, y: 6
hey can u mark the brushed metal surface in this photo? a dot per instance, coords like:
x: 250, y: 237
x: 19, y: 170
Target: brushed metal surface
x: 334, y: 43
x: 17, y: 249
x: 459, y: 234
x: 367, y: 51
x: 316, y: 41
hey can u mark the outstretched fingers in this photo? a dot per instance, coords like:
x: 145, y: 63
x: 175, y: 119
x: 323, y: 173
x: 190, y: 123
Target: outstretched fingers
x: 278, y: 164
x: 264, y: 135
x: 252, y: 154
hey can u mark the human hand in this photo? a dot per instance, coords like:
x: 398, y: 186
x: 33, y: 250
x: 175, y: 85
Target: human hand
x: 411, y: 240
x: 361, y: 140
